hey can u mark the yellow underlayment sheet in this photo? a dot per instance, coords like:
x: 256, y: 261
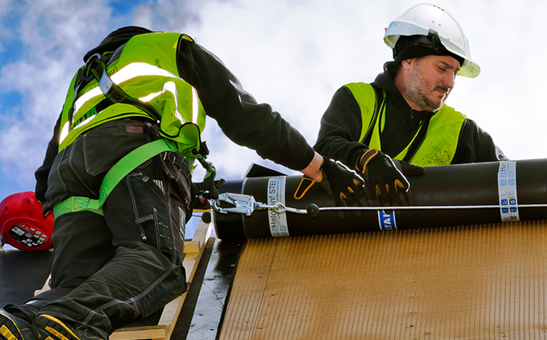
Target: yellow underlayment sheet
x: 472, y: 282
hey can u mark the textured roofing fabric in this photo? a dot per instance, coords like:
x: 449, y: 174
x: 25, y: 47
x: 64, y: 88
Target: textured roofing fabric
x: 471, y: 282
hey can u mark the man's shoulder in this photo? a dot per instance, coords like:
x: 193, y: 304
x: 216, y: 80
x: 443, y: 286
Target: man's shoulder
x: 448, y: 110
x: 363, y: 93
x: 358, y: 85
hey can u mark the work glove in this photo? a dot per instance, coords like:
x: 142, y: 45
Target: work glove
x: 202, y: 192
x: 344, y: 185
x: 385, y: 178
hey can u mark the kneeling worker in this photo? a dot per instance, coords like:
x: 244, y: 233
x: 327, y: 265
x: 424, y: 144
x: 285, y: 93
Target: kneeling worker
x: 117, y: 176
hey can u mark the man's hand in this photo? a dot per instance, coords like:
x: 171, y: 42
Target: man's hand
x: 202, y: 192
x: 385, y: 177
x: 344, y: 185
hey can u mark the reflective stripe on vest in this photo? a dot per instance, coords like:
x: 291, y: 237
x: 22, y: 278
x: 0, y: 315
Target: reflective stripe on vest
x: 441, y: 139
x: 145, y: 68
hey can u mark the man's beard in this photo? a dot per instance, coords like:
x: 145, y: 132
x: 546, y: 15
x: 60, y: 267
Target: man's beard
x: 414, y: 91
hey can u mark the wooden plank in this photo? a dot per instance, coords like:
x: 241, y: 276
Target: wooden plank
x: 146, y: 332
x: 172, y: 310
x: 191, y: 247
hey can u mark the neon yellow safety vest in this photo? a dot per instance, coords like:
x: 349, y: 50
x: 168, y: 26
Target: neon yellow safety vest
x: 441, y: 139
x: 146, y: 69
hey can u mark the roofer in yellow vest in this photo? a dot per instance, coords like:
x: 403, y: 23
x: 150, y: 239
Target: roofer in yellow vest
x: 119, y: 182
x: 401, y: 117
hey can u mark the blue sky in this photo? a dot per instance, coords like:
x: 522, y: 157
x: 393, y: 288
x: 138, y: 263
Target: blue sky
x: 290, y: 54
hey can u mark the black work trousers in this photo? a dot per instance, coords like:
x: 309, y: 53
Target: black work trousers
x: 110, y: 270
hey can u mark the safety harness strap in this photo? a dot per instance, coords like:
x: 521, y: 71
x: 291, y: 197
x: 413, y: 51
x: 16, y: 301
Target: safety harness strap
x: 95, y: 68
x: 114, y: 176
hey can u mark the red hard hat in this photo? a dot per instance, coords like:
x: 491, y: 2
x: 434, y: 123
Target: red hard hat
x: 22, y: 223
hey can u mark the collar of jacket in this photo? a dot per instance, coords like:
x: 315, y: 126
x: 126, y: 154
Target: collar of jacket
x: 116, y: 39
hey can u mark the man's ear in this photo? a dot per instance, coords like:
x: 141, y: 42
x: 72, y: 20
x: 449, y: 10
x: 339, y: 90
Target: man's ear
x: 407, y: 63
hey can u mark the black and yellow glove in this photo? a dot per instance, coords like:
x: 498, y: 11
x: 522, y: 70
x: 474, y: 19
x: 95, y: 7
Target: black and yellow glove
x: 385, y: 177
x: 344, y: 185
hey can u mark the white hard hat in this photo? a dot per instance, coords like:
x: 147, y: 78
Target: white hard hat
x: 427, y: 20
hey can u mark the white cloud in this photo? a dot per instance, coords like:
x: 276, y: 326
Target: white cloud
x: 7, y: 10
x: 289, y: 56
x: 168, y: 15
x: 505, y: 41
x: 54, y: 36
x: 292, y: 55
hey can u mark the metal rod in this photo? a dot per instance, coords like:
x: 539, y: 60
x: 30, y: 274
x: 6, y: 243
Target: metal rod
x: 435, y: 207
x: 246, y: 204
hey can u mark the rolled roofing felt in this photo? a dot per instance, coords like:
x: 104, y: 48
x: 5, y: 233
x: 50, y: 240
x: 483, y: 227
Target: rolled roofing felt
x: 463, y: 194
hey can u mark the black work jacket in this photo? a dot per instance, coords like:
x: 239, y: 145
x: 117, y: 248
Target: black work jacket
x: 341, y: 127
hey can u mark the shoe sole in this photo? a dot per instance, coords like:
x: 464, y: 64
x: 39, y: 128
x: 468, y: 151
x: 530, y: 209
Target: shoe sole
x: 54, y: 333
x: 9, y: 329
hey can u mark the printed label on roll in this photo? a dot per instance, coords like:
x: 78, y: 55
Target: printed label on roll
x: 277, y: 219
x: 507, y: 188
x: 387, y: 221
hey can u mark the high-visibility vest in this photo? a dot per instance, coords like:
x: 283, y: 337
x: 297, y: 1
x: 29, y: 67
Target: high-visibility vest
x: 145, y: 68
x: 439, y: 144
